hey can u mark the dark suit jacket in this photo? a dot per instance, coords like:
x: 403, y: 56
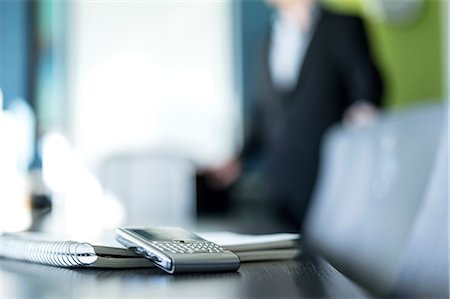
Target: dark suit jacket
x: 288, y: 127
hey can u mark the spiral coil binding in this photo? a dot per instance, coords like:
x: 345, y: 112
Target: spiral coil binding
x: 54, y: 253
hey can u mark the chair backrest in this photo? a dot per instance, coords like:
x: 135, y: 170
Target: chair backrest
x: 372, y: 185
x: 155, y: 189
x: 424, y: 268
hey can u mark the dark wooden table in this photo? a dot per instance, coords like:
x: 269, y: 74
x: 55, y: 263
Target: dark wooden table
x: 306, y: 277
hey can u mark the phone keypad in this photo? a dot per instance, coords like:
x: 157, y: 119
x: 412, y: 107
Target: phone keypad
x: 187, y: 247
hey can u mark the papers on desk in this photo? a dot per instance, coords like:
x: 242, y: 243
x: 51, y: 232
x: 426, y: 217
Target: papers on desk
x: 38, y: 248
x: 257, y: 247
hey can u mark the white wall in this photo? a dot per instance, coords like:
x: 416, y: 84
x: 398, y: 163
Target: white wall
x: 151, y: 74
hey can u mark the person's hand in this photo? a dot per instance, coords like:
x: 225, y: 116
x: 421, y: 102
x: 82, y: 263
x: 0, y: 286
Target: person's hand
x: 360, y: 114
x: 224, y: 175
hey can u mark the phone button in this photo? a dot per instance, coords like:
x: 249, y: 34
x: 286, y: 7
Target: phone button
x: 146, y: 254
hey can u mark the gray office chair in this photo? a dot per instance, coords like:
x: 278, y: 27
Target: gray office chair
x: 154, y: 188
x: 370, y: 193
x: 424, y: 268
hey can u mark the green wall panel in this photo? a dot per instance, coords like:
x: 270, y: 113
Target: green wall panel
x: 410, y: 56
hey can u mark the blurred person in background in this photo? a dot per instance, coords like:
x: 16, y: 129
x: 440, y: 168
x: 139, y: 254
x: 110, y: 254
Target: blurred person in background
x: 315, y: 70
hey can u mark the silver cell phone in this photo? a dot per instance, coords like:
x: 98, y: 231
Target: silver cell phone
x: 176, y: 250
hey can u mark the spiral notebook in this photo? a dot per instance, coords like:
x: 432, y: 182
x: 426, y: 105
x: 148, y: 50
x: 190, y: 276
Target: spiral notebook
x: 37, y: 248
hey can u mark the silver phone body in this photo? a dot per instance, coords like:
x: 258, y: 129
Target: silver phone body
x: 176, y: 250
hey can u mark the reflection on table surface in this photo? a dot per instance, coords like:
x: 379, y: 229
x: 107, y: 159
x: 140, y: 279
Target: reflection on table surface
x: 305, y: 277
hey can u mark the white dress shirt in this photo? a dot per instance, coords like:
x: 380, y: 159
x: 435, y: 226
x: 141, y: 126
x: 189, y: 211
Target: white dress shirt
x: 288, y: 46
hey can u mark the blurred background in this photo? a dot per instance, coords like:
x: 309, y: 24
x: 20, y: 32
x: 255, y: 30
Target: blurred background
x: 111, y: 108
